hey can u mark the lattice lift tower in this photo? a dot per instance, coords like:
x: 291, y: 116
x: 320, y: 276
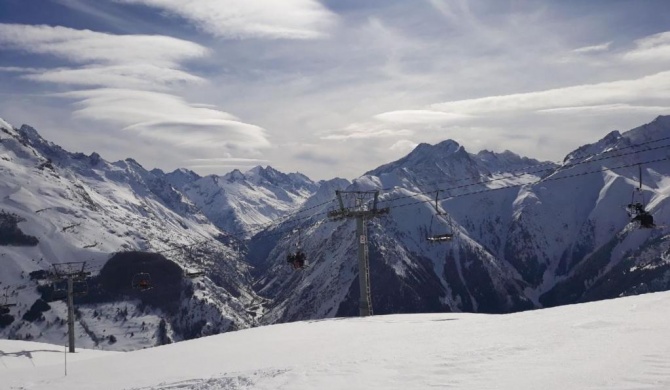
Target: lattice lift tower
x: 361, y: 212
x: 70, y: 273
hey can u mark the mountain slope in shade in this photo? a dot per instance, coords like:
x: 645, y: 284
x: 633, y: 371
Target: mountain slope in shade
x: 83, y: 208
x: 615, y: 344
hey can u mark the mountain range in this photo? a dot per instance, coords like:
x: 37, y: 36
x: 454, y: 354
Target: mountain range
x: 526, y: 234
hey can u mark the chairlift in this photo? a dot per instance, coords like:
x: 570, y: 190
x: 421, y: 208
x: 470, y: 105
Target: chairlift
x: 142, y: 281
x: 637, y: 208
x: 79, y: 288
x: 298, y: 258
x: 436, y: 234
x: 59, y: 290
x: 194, y: 274
x: 4, y: 307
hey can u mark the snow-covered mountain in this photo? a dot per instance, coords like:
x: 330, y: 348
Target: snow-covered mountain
x: 243, y: 203
x: 527, y: 233
x: 60, y: 207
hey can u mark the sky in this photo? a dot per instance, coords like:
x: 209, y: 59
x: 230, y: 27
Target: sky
x: 329, y: 88
x: 617, y: 344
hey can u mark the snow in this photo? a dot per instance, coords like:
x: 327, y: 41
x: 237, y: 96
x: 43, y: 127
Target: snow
x: 615, y: 344
x: 86, y: 209
x: 5, y: 125
x: 16, y: 356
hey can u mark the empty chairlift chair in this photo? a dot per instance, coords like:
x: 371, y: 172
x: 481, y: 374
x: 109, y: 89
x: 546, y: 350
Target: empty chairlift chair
x: 79, y: 288
x: 436, y: 232
x: 59, y: 291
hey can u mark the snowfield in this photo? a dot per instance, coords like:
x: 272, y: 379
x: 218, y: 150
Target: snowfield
x: 614, y: 344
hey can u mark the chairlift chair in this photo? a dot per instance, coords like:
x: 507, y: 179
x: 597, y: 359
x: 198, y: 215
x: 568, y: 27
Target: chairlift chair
x: 433, y: 235
x: 79, y: 288
x: 298, y: 258
x: 4, y: 307
x: 59, y: 290
x: 194, y: 274
x: 142, y: 281
x: 637, y: 208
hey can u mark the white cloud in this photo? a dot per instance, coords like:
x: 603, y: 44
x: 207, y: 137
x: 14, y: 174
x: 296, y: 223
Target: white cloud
x: 85, y: 46
x: 651, y: 49
x: 624, y: 91
x: 19, y: 69
x: 290, y: 19
x: 130, y: 69
x: 403, y: 146
x: 367, y: 130
x: 421, y: 116
x: 168, y: 118
x: 593, y: 49
x: 144, y: 76
x: 117, y: 61
x: 229, y: 162
x: 607, y: 109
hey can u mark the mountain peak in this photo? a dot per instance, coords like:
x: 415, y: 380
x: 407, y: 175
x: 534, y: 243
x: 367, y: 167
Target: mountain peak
x: 448, y: 146
x: 504, y: 161
x: 445, y: 147
x: 180, y: 177
x: 268, y: 171
x: 30, y: 133
x: 258, y: 175
x: 234, y: 175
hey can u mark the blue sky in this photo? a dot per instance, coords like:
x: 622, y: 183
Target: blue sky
x: 330, y: 88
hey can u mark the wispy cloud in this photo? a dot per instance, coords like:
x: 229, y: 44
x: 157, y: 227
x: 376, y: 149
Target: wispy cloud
x: 135, y: 75
x: 107, y: 60
x: 289, y: 19
x: 168, y: 118
x: 624, y: 91
x: 652, y: 48
x: 403, y: 146
x: 228, y: 160
x: 20, y: 69
x: 210, y: 164
x: 421, y: 116
x: 593, y: 49
x: 367, y: 130
x: 85, y: 46
x: 608, y: 108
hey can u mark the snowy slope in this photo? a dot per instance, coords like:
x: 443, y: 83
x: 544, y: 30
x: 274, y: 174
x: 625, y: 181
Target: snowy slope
x: 83, y: 208
x: 616, y: 344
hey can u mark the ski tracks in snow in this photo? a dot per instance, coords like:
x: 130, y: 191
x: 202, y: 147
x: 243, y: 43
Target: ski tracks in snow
x: 262, y: 379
